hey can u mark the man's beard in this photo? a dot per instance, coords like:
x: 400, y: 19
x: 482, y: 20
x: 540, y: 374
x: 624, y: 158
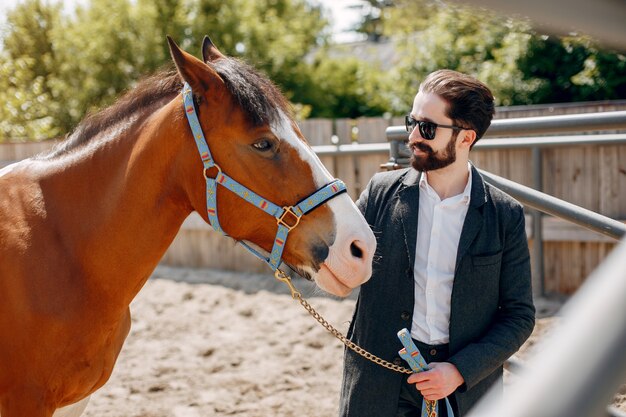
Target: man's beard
x: 431, y: 161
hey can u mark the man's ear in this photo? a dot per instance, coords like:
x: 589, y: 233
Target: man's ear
x: 468, y: 137
x: 196, y: 73
x: 209, y: 50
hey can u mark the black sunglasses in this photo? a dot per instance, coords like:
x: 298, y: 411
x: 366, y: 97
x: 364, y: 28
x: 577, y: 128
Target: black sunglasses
x: 427, y: 129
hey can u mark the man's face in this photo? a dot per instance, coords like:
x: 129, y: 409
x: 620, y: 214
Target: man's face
x: 430, y: 155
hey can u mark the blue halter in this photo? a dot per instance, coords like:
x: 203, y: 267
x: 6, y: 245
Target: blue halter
x: 287, y: 217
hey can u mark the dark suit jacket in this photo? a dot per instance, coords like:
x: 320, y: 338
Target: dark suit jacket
x: 492, y: 312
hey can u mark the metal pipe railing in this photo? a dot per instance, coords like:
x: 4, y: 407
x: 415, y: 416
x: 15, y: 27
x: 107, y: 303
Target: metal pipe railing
x: 613, y: 120
x: 557, y: 207
x: 529, y: 142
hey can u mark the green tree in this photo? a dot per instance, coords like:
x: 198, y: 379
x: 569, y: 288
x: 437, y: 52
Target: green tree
x: 346, y: 87
x: 27, y: 73
x: 55, y: 67
x: 572, y: 69
x: 273, y: 35
x: 520, y: 65
x: 373, y: 18
x: 432, y: 36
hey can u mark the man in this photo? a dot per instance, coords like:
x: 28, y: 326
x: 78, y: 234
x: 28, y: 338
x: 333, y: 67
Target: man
x: 452, y: 265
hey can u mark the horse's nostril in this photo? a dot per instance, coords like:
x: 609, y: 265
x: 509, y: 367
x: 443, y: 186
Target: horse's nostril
x: 355, y: 250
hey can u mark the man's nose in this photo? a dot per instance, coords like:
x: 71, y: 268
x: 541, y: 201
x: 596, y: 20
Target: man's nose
x: 415, y: 135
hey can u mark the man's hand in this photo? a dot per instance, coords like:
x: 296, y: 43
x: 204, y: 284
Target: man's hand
x: 438, y: 382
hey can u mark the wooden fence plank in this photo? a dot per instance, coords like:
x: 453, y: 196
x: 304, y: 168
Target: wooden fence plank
x: 317, y: 131
x: 344, y: 129
x: 372, y: 129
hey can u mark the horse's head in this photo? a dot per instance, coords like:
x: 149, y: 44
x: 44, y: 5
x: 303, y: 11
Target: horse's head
x: 255, y: 141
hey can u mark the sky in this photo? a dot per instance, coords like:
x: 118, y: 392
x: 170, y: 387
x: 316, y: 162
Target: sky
x: 341, y: 16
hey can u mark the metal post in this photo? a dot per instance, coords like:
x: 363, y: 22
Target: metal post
x: 538, y: 280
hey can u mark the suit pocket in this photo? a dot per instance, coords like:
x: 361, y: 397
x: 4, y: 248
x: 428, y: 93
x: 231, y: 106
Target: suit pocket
x: 479, y: 260
x: 486, y: 270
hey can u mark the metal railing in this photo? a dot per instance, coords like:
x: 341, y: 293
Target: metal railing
x: 584, y: 122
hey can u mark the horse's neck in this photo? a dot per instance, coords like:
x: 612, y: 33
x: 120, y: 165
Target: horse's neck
x: 123, y: 205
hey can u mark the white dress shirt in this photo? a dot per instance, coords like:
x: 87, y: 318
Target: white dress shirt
x: 439, y: 226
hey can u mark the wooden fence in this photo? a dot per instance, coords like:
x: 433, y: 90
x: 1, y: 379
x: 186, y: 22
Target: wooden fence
x: 591, y: 177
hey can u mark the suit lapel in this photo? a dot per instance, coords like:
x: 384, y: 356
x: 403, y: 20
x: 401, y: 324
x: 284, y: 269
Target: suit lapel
x: 408, y: 207
x: 474, y: 218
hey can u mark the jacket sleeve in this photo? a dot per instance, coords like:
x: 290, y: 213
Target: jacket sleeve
x: 515, y: 318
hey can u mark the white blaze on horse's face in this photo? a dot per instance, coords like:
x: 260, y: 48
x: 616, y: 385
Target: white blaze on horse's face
x: 349, y: 261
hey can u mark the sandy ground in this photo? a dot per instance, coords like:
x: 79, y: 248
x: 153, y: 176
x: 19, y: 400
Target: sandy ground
x: 212, y: 343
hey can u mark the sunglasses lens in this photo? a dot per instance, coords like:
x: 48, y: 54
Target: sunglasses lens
x: 409, y: 124
x: 428, y: 130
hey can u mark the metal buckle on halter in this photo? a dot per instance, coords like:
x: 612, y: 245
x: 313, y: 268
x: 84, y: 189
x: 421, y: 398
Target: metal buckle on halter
x: 281, y: 220
x: 205, y: 172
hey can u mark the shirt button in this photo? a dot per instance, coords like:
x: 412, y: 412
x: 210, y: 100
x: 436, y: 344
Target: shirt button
x: 405, y: 315
x: 398, y: 361
x: 433, y: 352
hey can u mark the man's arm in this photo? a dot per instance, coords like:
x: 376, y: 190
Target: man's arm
x: 515, y: 319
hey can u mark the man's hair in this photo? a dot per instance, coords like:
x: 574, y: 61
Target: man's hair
x: 470, y: 102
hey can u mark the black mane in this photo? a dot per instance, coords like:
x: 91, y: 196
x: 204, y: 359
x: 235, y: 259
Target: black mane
x: 257, y: 96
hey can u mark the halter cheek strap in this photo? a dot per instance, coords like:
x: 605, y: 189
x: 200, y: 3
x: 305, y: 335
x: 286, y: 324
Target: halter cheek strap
x: 287, y: 217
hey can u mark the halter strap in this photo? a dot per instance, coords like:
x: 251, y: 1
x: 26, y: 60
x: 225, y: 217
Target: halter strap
x: 412, y: 355
x: 287, y: 217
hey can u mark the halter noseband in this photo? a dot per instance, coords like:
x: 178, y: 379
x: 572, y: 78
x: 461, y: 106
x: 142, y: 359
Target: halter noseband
x: 287, y: 217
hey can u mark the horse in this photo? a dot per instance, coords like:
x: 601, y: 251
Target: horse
x: 83, y: 226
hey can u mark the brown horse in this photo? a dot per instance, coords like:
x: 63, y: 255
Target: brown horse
x: 83, y: 227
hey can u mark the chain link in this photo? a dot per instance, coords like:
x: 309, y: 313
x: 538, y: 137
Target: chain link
x: 431, y: 406
x: 349, y: 344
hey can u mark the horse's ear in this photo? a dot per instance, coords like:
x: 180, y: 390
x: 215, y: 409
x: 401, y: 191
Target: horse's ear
x: 210, y: 51
x: 195, y: 72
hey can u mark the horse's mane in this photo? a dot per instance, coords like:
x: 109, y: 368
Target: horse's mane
x: 260, y: 100
x: 258, y: 97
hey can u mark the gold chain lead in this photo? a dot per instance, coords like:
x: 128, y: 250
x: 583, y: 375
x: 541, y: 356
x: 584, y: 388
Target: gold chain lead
x: 296, y: 295
x: 431, y: 406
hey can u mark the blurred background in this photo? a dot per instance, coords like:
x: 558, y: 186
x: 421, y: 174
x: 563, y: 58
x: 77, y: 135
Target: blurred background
x: 333, y: 59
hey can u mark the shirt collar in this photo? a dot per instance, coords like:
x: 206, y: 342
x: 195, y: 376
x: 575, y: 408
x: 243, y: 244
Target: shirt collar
x: 464, y: 196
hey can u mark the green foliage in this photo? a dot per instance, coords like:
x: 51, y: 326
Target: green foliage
x: 27, y: 64
x: 475, y: 42
x: 58, y: 65
x: 347, y: 87
x: 572, y: 69
x: 519, y: 65
x: 373, y: 19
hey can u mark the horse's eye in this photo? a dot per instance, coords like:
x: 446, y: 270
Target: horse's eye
x: 262, y: 145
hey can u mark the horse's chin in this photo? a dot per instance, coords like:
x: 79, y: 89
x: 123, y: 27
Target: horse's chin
x: 327, y: 280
